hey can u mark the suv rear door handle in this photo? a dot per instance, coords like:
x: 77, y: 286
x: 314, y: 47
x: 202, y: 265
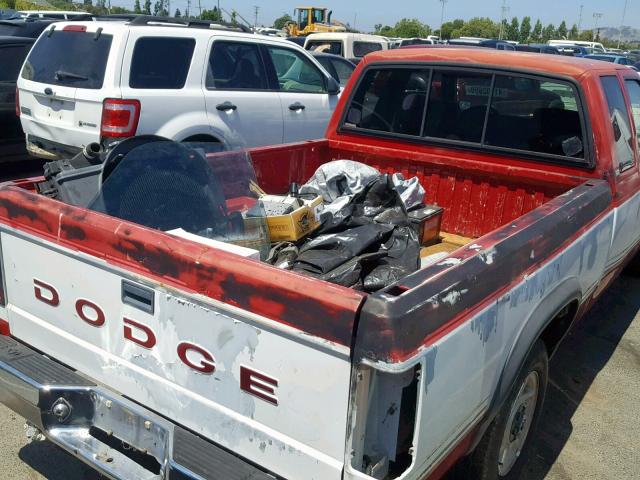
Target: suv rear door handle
x: 296, y: 107
x: 223, y: 107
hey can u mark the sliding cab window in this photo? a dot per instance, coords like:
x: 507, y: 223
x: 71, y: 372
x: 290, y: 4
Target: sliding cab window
x: 236, y: 66
x: 325, y: 46
x: 390, y: 100
x: 360, y: 49
x: 457, y: 105
x: 633, y: 90
x: 535, y: 115
x: 161, y: 62
x: 477, y: 109
x: 619, y: 121
x: 295, y: 72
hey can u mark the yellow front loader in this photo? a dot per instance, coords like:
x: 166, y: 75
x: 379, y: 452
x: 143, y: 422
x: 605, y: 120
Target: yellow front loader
x: 312, y: 20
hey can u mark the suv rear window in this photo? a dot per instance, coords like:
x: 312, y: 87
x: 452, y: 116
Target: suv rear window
x: 11, y: 58
x: 161, y: 62
x: 73, y: 59
x: 475, y: 108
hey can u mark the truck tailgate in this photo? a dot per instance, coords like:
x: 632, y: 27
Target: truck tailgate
x: 262, y: 388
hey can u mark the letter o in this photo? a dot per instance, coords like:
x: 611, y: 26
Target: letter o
x: 99, y: 317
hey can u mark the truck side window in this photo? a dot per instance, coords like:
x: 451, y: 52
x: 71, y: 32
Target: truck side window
x: 457, y: 105
x: 633, y: 89
x: 619, y: 118
x: 390, y: 100
x: 535, y: 115
x: 235, y: 66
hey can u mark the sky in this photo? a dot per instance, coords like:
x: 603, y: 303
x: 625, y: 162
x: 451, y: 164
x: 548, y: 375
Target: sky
x: 366, y: 13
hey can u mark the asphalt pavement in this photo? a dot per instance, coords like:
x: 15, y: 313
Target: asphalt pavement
x: 589, y: 429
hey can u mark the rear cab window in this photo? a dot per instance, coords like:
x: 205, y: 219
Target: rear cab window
x: 360, y: 49
x: 69, y: 58
x: 161, y: 62
x: 472, y: 108
x: 11, y: 59
x: 325, y: 46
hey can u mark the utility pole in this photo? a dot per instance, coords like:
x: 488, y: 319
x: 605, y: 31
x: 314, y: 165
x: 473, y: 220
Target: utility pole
x: 188, y: 8
x: 596, y: 16
x: 256, y: 9
x: 624, y: 13
x: 200, y: 9
x: 355, y: 19
x: 442, y: 16
x: 580, y: 18
x: 503, y: 18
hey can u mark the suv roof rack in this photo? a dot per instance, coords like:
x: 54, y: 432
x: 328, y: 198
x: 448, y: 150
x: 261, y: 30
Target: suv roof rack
x: 208, y: 24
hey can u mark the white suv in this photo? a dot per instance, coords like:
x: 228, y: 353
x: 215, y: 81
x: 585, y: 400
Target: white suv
x: 98, y: 81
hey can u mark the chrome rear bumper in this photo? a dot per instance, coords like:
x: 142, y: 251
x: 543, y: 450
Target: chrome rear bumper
x: 116, y: 436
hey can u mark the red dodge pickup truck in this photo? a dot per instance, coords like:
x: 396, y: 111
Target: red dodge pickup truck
x: 206, y: 364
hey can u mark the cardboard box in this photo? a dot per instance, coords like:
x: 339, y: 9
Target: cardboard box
x: 296, y: 224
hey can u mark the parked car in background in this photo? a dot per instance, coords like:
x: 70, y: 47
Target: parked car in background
x: 405, y: 42
x: 24, y: 27
x: 352, y: 46
x: 338, y: 67
x: 482, y: 42
x: 619, y: 59
x: 574, y: 50
x: 537, y: 48
x: 596, y: 46
x: 181, y: 82
x: 13, y: 51
x: 55, y: 14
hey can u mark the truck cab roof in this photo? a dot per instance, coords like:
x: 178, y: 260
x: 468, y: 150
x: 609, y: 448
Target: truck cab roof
x: 522, y: 61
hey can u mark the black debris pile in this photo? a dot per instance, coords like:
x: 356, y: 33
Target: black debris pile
x: 366, y: 240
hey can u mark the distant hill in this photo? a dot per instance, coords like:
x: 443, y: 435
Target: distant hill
x: 629, y: 34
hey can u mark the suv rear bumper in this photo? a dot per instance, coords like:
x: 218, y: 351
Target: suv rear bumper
x: 116, y: 436
x: 43, y: 148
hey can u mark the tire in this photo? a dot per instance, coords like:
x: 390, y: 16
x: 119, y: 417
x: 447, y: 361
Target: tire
x: 515, y: 424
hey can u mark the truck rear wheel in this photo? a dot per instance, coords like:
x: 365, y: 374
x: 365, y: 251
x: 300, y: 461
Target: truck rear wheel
x: 504, y: 449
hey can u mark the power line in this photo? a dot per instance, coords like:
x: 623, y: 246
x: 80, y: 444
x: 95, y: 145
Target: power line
x: 580, y: 18
x: 503, y: 18
x: 596, y: 16
x: 624, y: 13
x: 442, y: 16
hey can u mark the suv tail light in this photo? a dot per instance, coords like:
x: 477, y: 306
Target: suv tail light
x: 119, y: 117
x: 17, y: 102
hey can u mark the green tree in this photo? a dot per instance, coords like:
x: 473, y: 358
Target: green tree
x: 480, y: 27
x: 159, y: 8
x: 178, y: 13
x: 280, y: 22
x: 525, y: 30
x: 573, y: 33
x: 586, y: 36
x: 136, y: 7
x: 147, y: 7
x: 548, y: 33
x: 562, y: 30
x: 214, y: 15
x: 411, y: 27
x: 87, y: 3
x: 536, y: 33
x: 451, y: 29
x: 512, y: 31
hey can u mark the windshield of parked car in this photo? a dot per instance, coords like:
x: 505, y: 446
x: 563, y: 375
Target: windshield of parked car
x: 325, y: 46
x: 69, y: 58
x: 193, y: 188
